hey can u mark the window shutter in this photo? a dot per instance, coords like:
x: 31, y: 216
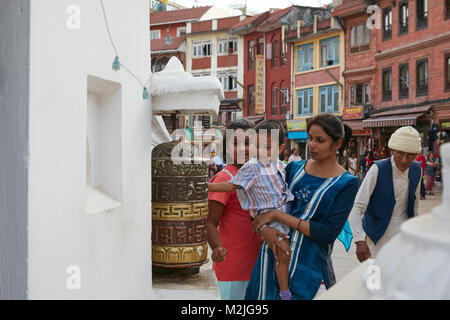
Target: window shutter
x: 269, y: 51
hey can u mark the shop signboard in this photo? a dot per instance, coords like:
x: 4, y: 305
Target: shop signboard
x: 296, y: 125
x: 259, y: 81
x: 351, y: 113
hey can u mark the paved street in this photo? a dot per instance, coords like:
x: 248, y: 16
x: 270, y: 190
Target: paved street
x: 176, y: 286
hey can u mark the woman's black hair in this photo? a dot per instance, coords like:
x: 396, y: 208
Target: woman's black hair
x: 334, y: 127
x: 243, y: 124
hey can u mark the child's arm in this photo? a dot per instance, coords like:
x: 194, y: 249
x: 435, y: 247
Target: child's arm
x: 222, y: 187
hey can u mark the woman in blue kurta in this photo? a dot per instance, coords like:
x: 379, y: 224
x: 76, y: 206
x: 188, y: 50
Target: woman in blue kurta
x: 324, y: 194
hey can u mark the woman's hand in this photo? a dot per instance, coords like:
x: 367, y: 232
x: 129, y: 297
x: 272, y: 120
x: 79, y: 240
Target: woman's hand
x: 270, y: 236
x: 262, y: 219
x: 218, y: 254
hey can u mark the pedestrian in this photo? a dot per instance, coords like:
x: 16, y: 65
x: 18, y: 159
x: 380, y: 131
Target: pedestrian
x: 261, y: 187
x: 387, y: 196
x: 284, y: 155
x: 430, y: 172
x: 352, y: 164
x: 229, y: 231
x: 362, y: 166
x: 218, y: 163
x: 423, y: 162
x: 324, y: 192
x: 369, y: 159
x: 294, y: 156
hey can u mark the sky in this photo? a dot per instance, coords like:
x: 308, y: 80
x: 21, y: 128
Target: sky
x: 254, y: 6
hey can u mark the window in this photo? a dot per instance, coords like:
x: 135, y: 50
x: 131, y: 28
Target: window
x: 251, y: 55
x: 329, y: 52
x: 403, y: 18
x: 284, y: 98
x: 155, y: 34
x: 228, y: 46
x: 403, y: 81
x: 387, y: 84
x: 274, y: 54
x: 158, y: 63
x: 359, y: 94
x: 359, y: 38
x: 181, y: 31
x: 305, y: 57
x: 421, y: 14
x: 329, y: 99
x: 284, y: 50
x: 422, y: 78
x: 305, y: 102
x: 251, y: 99
x: 201, y: 49
x: 447, y: 9
x: 275, y: 100
x: 260, y: 46
x: 447, y: 72
x: 387, y: 23
x: 227, y: 79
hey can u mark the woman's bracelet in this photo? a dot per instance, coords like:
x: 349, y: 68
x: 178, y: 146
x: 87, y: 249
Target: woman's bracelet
x: 262, y: 228
x: 299, y: 224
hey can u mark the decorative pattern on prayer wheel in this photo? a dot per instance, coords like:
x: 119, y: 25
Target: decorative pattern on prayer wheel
x: 179, y: 207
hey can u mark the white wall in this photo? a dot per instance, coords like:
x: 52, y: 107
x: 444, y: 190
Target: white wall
x: 113, y: 249
x: 216, y: 13
x: 14, y: 86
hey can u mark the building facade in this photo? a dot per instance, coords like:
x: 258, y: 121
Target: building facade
x: 317, y: 81
x: 397, y: 68
x: 168, y: 39
x: 212, y: 51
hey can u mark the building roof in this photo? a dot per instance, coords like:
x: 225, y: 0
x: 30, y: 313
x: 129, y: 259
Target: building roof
x: 349, y: 7
x: 161, y: 45
x: 183, y: 15
x: 260, y: 21
x: 248, y: 22
x: 274, y: 15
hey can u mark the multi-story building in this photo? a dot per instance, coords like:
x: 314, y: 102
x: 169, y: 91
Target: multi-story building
x: 317, y: 81
x: 167, y: 34
x: 212, y: 51
x: 267, y: 63
x: 397, y: 66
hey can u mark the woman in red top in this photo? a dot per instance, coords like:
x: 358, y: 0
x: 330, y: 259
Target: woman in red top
x: 234, y: 244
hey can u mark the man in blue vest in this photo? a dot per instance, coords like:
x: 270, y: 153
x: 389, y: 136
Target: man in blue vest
x: 388, y: 195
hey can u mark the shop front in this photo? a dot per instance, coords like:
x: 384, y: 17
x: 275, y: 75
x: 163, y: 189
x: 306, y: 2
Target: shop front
x: 297, y: 136
x: 385, y: 121
x: 362, y: 139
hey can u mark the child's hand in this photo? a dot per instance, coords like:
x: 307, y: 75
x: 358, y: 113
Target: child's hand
x: 218, y: 254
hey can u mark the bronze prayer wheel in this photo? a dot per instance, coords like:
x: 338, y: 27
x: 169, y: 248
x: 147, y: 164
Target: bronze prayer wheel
x: 179, y: 206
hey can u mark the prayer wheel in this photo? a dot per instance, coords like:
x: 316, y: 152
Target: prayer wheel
x: 179, y: 206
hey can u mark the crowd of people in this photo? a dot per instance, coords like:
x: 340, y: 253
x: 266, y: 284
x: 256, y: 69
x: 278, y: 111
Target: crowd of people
x: 271, y: 227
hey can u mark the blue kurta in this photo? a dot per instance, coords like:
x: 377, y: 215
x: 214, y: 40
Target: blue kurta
x: 324, y: 202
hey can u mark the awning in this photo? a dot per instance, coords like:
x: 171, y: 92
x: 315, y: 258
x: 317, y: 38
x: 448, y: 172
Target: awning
x: 393, y: 121
x: 395, y: 117
x: 255, y: 119
x: 297, y: 135
x: 354, y: 124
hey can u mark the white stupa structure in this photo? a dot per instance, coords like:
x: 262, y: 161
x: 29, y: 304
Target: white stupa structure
x: 175, y: 91
x: 414, y: 264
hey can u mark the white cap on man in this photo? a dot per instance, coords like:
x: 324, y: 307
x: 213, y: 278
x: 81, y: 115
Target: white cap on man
x: 406, y: 139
